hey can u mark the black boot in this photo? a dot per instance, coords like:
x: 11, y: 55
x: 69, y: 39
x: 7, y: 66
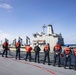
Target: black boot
x: 2, y: 55
x: 69, y: 67
x: 43, y: 63
x: 75, y: 68
x: 49, y: 64
x: 65, y: 67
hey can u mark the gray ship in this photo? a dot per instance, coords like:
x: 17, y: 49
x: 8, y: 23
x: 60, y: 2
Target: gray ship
x: 49, y: 37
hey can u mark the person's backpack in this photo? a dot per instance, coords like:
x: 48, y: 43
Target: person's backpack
x: 36, y: 49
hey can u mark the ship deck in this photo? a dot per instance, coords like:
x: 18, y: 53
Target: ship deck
x: 11, y: 66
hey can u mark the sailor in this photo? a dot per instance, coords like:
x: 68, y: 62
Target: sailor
x: 74, y: 52
x: 57, y: 51
x: 67, y: 57
x: 46, y: 53
x: 5, y: 47
x: 37, y: 50
x: 28, y: 49
x: 18, y: 45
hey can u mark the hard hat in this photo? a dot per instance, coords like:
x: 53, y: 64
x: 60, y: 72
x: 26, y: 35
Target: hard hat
x: 6, y: 40
x: 57, y: 42
x: 67, y: 45
x: 47, y: 44
x: 18, y: 40
x: 37, y: 44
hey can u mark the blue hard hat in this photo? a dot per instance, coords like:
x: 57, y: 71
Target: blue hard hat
x: 6, y: 40
x: 67, y: 45
x: 57, y: 42
x: 18, y: 40
x: 47, y: 43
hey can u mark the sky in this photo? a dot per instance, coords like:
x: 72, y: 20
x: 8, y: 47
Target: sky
x: 25, y: 17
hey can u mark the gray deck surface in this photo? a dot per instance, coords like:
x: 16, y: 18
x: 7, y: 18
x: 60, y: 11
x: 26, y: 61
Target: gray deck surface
x: 11, y: 66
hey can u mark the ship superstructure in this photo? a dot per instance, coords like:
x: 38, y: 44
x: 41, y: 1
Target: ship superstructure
x: 49, y: 37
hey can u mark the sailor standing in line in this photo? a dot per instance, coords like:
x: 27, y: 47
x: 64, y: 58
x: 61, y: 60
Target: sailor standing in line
x: 57, y: 51
x: 18, y: 45
x: 74, y: 52
x: 67, y: 57
x: 5, y: 47
x: 37, y: 52
x: 46, y: 53
x: 28, y: 49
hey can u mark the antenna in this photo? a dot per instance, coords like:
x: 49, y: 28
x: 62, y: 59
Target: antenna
x: 44, y: 26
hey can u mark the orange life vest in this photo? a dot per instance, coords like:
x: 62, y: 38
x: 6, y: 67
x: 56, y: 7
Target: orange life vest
x: 67, y: 50
x: 18, y: 44
x: 75, y: 51
x: 28, y: 48
x: 46, y: 48
x: 4, y: 44
x: 57, y: 47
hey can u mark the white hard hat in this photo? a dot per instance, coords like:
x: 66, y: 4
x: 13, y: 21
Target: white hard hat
x: 37, y: 44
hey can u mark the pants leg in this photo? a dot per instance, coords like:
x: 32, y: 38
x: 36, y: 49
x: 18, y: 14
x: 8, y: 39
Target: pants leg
x: 6, y: 53
x: 3, y: 53
x: 38, y: 57
x: 54, y: 59
x: 44, y: 58
x: 58, y: 60
x: 65, y: 62
x: 35, y: 56
x: 16, y: 53
x: 30, y: 56
x: 26, y: 56
x: 69, y: 62
x: 19, y: 53
x: 48, y: 59
x: 75, y: 66
x: 75, y: 63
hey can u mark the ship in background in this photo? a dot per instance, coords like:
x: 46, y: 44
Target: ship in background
x: 41, y: 39
x: 49, y: 37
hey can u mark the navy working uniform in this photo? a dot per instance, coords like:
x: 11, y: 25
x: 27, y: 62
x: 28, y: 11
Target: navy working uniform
x: 37, y: 50
x: 5, y: 47
x: 18, y: 45
x: 74, y: 52
x: 46, y: 53
x: 57, y: 51
x: 67, y: 57
x: 28, y: 49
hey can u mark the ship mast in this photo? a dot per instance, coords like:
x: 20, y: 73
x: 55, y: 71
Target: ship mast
x: 44, y: 26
